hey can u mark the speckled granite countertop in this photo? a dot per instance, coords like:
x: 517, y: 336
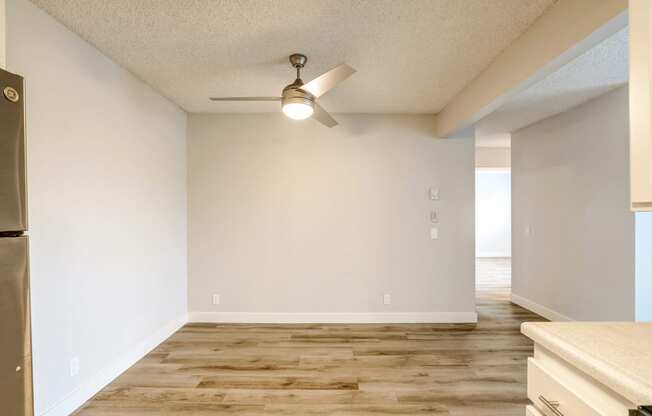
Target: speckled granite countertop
x: 617, y: 354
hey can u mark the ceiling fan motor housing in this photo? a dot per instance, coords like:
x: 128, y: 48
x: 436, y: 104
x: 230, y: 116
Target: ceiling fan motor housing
x: 293, y: 94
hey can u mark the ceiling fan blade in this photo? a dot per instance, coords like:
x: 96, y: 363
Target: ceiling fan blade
x: 325, y: 82
x: 323, y: 117
x: 245, y: 98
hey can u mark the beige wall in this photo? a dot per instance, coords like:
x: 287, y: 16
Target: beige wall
x: 492, y: 157
x: 107, y: 206
x: 292, y: 221
x: 572, y: 231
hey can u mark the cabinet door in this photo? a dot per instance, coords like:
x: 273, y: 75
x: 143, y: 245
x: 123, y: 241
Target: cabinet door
x: 640, y: 103
x: 532, y: 411
x: 552, y: 397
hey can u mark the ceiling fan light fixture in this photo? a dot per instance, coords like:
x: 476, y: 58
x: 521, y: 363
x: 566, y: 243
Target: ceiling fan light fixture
x: 298, y: 109
x: 298, y: 100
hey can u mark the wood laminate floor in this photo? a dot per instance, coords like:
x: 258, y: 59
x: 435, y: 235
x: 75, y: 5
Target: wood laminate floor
x: 357, y: 370
x: 493, y: 274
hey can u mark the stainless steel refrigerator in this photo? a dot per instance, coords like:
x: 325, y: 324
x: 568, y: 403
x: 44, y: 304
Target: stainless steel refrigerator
x: 15, y: 332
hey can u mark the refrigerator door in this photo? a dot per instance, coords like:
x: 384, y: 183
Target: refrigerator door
x: 13, y: 200
x: 15, y: 334
x: 16, y: 385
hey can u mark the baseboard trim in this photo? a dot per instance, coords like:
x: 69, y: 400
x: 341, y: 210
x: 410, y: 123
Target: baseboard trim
x: 496, y: 254
x: 539, y: 309
x: 333, y: 318
x: 97, y: 382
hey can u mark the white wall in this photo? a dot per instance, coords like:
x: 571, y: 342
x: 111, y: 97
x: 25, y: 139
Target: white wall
x: 644, y: 266
x: 107, y: 207
x: 570, y: 189
x: 292, y: 221
x: 492, y: 157
x: 493, y: 219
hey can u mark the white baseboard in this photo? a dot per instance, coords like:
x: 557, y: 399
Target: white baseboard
x: 539, y: 309
x: 500, y: 254
x: 334, y: 318
x: 97, y: 382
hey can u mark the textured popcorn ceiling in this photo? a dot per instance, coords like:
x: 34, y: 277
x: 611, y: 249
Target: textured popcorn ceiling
x: 412, y: 56
x: 595, y: 72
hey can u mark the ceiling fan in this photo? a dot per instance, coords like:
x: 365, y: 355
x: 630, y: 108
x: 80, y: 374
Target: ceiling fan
x: 299, y: 100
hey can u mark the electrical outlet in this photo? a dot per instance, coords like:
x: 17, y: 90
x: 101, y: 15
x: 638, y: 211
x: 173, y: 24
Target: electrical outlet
x: 434, y: 233
x: 216, y: 299
x: 74, y: 366
x: 387, y: 299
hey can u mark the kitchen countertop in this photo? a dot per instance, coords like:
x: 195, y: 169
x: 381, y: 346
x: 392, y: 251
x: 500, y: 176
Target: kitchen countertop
x: 617, y: 354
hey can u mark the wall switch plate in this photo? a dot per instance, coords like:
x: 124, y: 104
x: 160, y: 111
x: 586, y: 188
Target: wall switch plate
x: 216, y: 299
x: 387, y: 299
x: 74, y: 366
x: 434, y: 216
x: 434, y: 233
x: 433, y: 193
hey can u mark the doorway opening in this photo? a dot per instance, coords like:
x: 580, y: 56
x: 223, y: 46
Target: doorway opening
x: 493, y: 226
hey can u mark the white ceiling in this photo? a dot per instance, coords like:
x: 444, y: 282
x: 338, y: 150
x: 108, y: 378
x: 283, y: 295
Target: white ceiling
x: 593, y: 73
x: 411, y: 56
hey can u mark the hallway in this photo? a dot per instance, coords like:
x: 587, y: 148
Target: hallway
x: 494, y: 274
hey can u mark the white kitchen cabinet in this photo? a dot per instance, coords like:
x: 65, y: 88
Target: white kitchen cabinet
x: 532, y: 411
x: 589, y: 369
x: 640, y: 103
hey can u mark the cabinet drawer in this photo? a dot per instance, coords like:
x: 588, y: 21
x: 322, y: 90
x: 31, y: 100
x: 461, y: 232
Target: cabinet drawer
x: 543, y: 386
x: 532, y: 411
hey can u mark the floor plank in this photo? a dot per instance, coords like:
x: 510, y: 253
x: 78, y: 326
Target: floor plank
x: 357, y: 370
